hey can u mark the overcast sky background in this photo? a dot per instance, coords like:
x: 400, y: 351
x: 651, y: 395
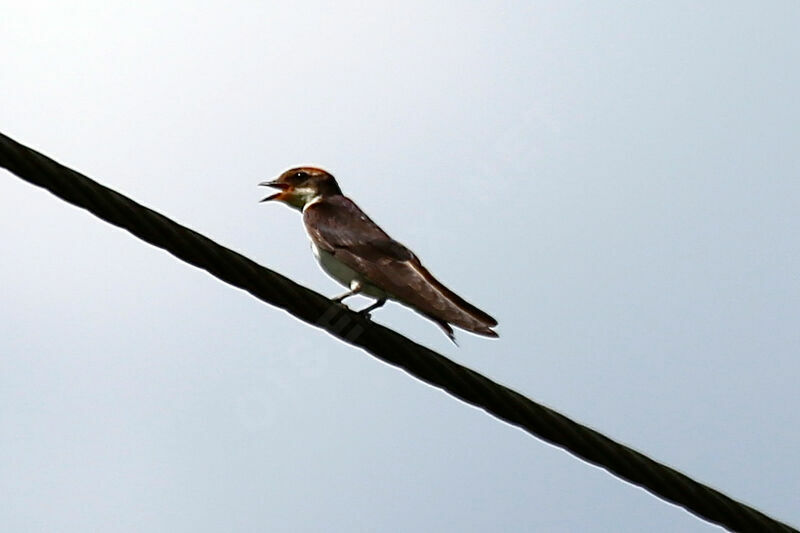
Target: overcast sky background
x: 617, y: 183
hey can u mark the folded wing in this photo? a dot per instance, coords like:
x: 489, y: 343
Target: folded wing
x: 339, y: 227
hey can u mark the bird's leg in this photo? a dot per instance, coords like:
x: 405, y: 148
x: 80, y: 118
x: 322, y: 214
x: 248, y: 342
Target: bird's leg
x: 377, y: 304
x: 355, y: 288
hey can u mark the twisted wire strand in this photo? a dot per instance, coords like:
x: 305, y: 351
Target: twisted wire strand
x: 383, y: 343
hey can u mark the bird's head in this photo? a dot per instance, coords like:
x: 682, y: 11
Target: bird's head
x: 301, y: 185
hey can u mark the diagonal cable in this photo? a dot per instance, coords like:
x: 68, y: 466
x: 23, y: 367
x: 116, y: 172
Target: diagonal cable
x: 381, y: 342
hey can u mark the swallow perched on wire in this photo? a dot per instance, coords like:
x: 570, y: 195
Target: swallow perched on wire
x: 357, y: 253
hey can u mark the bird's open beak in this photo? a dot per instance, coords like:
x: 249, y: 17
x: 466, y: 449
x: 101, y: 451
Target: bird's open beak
x: 284, y: 189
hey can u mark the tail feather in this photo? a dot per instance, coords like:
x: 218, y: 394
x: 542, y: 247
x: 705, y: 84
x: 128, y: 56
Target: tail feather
x: 472, y: 327
x: 444, y: 325
x: 454, y: 309
x: 465, y: 308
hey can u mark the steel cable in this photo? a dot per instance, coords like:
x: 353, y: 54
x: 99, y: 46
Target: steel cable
x: 381, y: 342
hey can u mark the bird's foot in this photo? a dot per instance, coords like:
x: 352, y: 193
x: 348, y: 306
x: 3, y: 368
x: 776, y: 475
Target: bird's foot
x: 367, y: 311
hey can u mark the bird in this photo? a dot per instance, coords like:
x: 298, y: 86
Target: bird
x: 357, y: 253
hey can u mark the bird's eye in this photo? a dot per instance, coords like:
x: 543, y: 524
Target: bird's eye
x: 300, y: 175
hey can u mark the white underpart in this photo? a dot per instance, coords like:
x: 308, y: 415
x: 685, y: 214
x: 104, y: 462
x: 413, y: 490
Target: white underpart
x: 335, y: 268
x: 344, y: 274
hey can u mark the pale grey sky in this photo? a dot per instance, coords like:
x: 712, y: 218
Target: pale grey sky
x: 617, y: 184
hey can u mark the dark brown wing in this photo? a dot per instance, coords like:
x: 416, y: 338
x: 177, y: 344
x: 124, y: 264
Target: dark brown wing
x: 338, y: 226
